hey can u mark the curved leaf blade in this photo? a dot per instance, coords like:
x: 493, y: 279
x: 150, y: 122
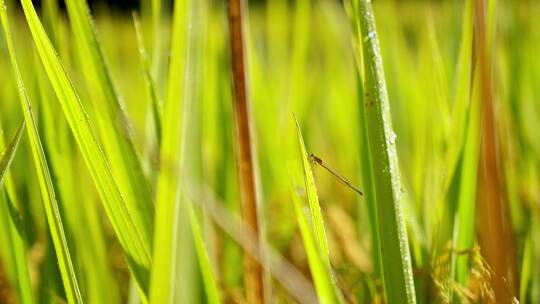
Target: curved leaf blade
x: 10, y: 152
x: 314, y: 233
x: 111, y: 119
x: 313, y: 198
x: 50, y: 204
x: 9, y: 216
x: 134, y: 239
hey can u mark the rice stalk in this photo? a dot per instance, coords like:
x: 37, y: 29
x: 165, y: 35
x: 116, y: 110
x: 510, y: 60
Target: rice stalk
x: 245, y: 166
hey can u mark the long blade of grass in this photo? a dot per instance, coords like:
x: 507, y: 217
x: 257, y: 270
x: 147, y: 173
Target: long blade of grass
x: 68, y: 171
x: 365, y: 157
x: 438, y: 220
x: 318, y: 263
x: 464, y: 232
x: 465, y: 117
x: 314, y: 235
x: 52, y: 211
x: 11, y: 222
x: 208, y: 274
x: 313, y: 198
x: 394, y: 245
x: 461, y: 94
x: 367, y: 177
x: 134, y: 239
x: 172, y: 153
x: 111, y: 120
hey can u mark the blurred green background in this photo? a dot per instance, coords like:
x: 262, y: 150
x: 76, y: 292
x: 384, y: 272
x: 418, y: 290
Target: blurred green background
x: 302, y: 60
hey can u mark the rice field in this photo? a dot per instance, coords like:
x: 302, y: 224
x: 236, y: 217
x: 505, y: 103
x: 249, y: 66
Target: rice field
x: 307, y: 151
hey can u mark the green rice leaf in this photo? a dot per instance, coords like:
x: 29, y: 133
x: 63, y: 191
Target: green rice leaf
x: 208, y: 275
x: 465, y: 147
x: 111, y: 120
x: 313, y: 198
x: 314, y: 235
x: 394, y: 244
x: 134, y: 239
x: 11, y: 222
x: 464, y: 221
x: 461, y: 94
x: 367, y: 174
x: 47, y: 190
x: 318, y: 264
x: 169, y: 178
x: 68, y: 172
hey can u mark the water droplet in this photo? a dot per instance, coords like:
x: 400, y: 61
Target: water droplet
x: 370, y: 35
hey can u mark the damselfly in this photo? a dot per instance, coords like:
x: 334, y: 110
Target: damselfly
x: 343, y: 180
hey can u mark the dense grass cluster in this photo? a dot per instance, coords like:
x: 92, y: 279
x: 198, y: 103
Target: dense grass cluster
x: 208, y: 151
